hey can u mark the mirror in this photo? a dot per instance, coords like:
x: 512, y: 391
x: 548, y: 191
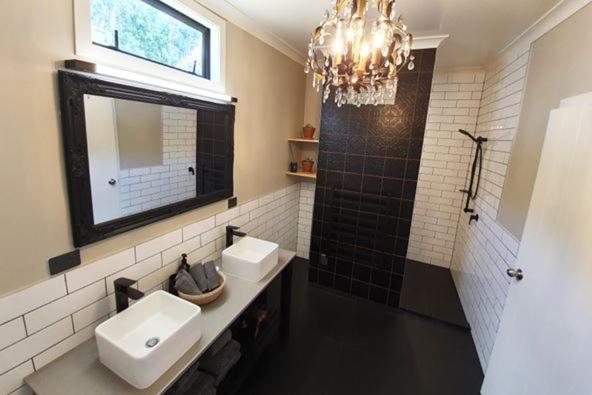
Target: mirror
x: 140, y: 155
x: 135, y: 156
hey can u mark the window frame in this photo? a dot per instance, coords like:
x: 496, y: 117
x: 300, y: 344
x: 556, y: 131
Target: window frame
x: 109, y: 56
x: 176, y: 14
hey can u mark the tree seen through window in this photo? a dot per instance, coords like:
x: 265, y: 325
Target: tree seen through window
x: 150, y: 30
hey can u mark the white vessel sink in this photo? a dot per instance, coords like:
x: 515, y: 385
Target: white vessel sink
x: 145, y: 340
x: 250, y: 259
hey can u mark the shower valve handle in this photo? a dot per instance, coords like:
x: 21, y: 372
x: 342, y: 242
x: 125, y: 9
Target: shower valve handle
x: 518, y: 274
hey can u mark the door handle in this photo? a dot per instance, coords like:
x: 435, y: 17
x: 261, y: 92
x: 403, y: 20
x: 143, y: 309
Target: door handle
x: 112, y: 181
x: 515, y: 273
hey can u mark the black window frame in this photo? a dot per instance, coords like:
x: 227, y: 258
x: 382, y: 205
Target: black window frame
x: 205, y: 31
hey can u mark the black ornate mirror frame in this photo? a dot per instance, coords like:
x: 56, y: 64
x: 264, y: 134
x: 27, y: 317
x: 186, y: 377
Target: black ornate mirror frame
x: 73, y: 87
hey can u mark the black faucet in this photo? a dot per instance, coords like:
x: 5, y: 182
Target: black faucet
x: 124, y: 292
x: 232, y: 231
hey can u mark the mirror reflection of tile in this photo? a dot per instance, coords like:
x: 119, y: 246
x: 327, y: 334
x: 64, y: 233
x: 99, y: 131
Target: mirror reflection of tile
x: 153, y: 186
x: 147, y: 162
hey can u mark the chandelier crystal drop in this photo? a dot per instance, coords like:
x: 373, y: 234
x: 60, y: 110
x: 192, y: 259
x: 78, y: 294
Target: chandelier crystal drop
x: 357, y: 56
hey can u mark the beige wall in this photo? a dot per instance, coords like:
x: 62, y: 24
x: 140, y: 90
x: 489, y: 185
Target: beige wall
x: 36, y: 36
x: 313, y: 101
x: 560, y: 66
x: 139, y: 133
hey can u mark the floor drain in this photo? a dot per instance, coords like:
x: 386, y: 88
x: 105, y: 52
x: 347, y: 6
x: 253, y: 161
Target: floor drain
x: 153, y: 341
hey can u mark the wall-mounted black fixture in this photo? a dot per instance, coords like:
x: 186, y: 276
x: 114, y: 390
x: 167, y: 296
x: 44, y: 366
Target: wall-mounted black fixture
x: 191, y: 170
x: 232, y: 231
x: 124, y: 292
x: 232, y: 202
x: 59, y: 263
x: 472, y: 194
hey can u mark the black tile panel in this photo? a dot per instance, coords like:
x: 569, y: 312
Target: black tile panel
x: 367, y: 175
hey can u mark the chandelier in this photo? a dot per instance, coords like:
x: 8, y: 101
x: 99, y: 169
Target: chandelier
x: 357, y: 56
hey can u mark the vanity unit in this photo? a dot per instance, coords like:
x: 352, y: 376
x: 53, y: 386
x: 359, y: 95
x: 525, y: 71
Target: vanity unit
x: 80, y: 369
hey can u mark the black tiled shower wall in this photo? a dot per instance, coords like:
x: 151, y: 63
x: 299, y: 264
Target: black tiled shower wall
x: 367, y: 175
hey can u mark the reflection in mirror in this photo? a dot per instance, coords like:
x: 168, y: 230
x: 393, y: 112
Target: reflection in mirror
x: 141, y: 155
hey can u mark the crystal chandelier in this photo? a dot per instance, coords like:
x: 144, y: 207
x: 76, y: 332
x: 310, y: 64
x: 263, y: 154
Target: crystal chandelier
x: 359, y: 56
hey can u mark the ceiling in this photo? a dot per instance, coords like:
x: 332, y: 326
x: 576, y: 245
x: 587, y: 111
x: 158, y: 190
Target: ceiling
x: 478, y: 29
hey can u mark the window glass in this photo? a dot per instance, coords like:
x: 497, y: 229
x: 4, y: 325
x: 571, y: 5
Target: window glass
x: 153, y: 31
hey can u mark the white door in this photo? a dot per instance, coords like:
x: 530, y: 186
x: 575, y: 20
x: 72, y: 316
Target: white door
x: 103, y: 157
x: 544, y: 344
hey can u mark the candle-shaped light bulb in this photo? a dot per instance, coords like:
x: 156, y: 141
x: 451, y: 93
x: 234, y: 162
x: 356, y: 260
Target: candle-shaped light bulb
x: 364, y: 50
x: 350, y: 34
x: 379, y: 39
x: 337, y: 46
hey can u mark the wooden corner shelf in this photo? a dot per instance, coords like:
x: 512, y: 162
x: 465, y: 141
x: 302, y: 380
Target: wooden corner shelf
x: 301, y: 148
x: 300, y: 140
x: 312, y: 176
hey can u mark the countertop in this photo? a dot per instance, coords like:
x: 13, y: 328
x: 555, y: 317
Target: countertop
x: 79, y: 370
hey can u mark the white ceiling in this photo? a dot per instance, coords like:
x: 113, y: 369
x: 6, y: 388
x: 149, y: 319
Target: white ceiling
x: 478, y: 29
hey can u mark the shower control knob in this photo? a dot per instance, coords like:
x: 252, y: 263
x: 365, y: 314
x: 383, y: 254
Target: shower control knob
x: 515, y: 273
x: 112, y: 181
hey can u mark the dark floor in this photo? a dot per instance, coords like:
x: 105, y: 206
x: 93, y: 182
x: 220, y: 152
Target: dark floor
x: 429, y: 290
x: 342, y: 345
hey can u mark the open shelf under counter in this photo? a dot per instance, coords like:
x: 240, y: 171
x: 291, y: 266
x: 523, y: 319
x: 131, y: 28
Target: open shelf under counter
x: 312, y: 176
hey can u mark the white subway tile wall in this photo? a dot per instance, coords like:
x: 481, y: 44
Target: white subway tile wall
x: 307, y: 193
x: 42, y: 322
x: 12, y: 331
x: 28, y: 299
x: 484, y: 250
x: 445, y: 157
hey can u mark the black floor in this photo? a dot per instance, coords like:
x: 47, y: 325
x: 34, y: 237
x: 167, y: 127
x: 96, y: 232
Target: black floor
x: 342, y: 345
x: 429, y: 290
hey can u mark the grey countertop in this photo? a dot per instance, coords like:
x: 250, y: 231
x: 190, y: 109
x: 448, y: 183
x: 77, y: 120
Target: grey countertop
x: 79, y: 370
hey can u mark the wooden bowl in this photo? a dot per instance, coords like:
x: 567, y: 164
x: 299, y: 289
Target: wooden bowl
x: 207, y: 297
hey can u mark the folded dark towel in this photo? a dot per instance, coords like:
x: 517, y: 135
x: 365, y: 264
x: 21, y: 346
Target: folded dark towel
x: 235, y: 358
x: 190, y: 376
x: 212, y: 275
x: 218, y: 344
x: 185, y: 283
x: 202, y: 385
x: 198, y: 273
x: 218, y: 364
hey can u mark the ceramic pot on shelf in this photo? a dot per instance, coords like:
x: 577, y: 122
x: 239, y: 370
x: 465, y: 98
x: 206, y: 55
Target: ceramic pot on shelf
x: 307, y: 166
x: 308, y: 132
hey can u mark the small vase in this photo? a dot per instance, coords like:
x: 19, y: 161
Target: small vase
x: 294, y: 167
x: 307, y: 166
x: 308, y: 132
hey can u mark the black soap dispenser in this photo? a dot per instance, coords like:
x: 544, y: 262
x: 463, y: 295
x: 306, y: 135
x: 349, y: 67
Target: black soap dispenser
x: 183, y: 265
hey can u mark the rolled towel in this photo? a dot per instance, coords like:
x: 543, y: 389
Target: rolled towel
x: 185, y: 283
x: 218, y: 344
x: 212, y: 275
x: 198, y: 273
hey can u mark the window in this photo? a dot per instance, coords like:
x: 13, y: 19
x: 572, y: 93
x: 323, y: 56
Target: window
x: 153, y: 31
x: 173, y: 44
